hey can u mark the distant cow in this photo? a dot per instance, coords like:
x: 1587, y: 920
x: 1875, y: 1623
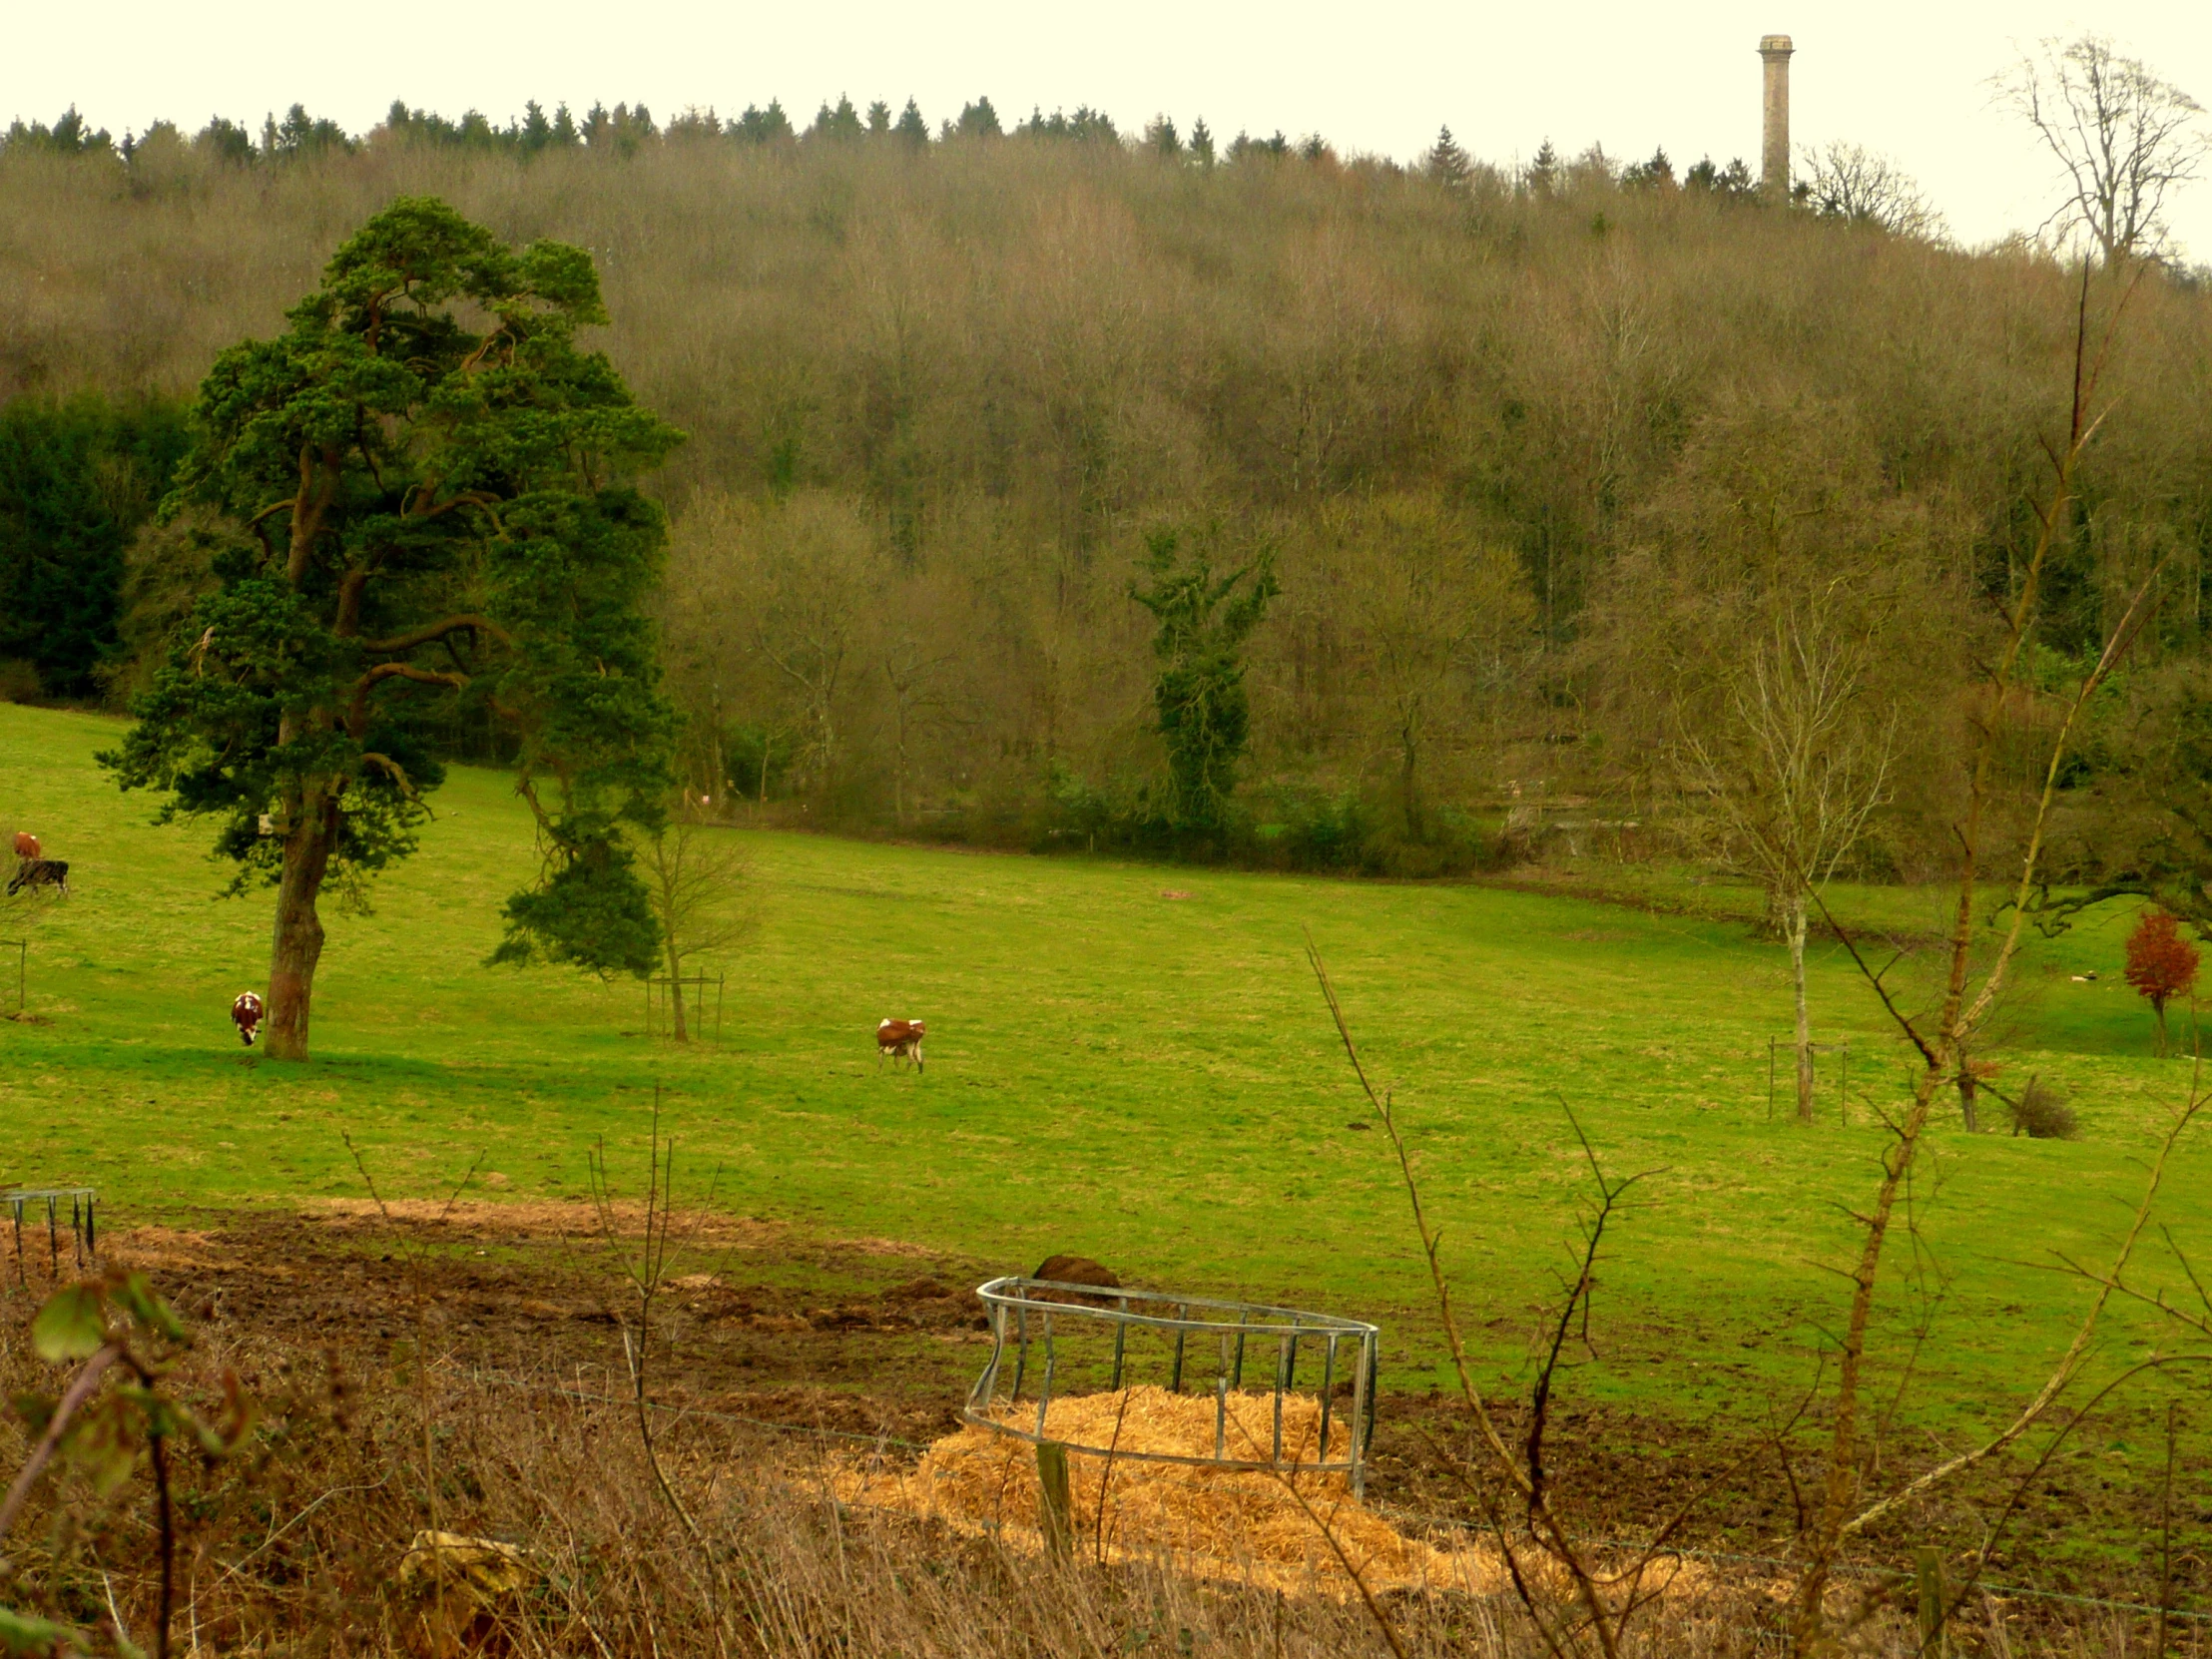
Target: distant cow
x: 41, y: 872
x: 26, y: 846
x: 900, y: 1039
x: 246, y: 1014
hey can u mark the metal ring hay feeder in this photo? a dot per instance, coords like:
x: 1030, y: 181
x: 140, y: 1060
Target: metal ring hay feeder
x: 1080, y: 1339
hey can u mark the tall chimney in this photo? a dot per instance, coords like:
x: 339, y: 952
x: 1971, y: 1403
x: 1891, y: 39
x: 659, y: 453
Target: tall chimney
x: 1774, y: 149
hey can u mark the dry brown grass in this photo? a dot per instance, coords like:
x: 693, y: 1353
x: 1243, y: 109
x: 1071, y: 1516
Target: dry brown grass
x: 322, y: 1542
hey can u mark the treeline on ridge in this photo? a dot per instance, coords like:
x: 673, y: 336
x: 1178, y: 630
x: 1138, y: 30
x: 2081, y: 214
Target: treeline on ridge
x: 1536, y: 457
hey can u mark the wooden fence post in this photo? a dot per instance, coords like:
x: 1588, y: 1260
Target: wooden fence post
x: 1054, y: 1512
x: 1929, y: 1573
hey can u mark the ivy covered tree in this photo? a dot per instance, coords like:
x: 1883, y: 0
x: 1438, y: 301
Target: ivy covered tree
x: 1205, y: 713
x: 435, y: 476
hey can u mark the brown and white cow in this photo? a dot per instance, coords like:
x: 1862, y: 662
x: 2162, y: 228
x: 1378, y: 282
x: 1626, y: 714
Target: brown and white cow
x: 246, y: 1014
x: 900, y: 1039
x: 26, y: 846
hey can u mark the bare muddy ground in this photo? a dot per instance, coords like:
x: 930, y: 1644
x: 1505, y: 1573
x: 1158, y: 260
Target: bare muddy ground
x: 879, y: 1339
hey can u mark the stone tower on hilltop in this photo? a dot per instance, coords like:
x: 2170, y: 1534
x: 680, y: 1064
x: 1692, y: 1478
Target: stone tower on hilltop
x: 1774, y: 149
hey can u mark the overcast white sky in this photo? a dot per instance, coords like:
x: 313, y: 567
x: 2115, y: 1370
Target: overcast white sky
x: 1909, y: 80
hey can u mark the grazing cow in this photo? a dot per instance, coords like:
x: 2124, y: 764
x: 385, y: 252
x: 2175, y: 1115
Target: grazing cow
x: 41, y: 872
x: 246, y: 1014
x: 900, y: 1039
x: 26, y: 846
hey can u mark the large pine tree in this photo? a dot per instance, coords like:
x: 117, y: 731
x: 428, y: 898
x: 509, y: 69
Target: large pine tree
x: 434, y: 476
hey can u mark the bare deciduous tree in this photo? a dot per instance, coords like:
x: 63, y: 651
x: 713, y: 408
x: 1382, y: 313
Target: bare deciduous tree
x: 2124, y: 136
x: 701, y: 885
x: 1434, y: 606
x: 815, y: 574
x: 1851, y: 183
x: 919, y: 702
x: 1787, y: 786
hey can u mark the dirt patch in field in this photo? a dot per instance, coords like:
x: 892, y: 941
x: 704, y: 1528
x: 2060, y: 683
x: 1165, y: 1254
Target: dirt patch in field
x: 538, y: 1219
x: 876, y: 1340
x: 162, y: 1247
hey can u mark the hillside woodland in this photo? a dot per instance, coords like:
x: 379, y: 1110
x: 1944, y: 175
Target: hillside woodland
x: 1526, y: 472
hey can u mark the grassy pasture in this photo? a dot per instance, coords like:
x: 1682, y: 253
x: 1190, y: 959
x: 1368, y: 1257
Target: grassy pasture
x: 1152, y: 1081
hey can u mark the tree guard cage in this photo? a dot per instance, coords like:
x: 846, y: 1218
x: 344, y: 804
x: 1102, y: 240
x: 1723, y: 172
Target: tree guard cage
x: 662, y: 989
x: 84, y: 1236
x: 1779, y: 1046
x: 1074, y: 1339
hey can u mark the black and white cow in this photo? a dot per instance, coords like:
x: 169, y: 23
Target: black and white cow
x: 41, y: 872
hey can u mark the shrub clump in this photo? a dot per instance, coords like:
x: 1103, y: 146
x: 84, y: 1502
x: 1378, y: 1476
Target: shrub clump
x: 2041, y: 1113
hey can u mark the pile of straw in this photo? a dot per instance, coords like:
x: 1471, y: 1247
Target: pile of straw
x: 1245, y: 1525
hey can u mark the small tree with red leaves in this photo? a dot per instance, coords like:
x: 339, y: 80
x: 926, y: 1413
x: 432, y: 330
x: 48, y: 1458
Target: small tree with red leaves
x: 2162, y: 964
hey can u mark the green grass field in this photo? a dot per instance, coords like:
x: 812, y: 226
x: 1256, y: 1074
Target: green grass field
x: 1150, y: 1081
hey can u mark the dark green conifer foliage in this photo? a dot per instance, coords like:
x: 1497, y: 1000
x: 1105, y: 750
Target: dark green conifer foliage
x: 1205, y: 713
x: 436, y: 477
x: 911, y: 128
x: 1543, y: 172
x: 226, y: 139
x: 1448, y: 164
x: 840, y: 125
x: 759, y: 125
x: 71, y: 135
x: 76, y: 479
x: 979, y: 120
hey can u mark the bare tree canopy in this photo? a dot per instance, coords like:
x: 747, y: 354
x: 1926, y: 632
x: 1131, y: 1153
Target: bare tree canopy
x: 1851, y: 183
x: 2125, y: 138
x: 1785, y: 790
x: 703, y: 896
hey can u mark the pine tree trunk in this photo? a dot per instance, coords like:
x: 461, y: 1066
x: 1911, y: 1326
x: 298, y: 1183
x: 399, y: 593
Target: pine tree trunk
x: 1804, y: 1023
x: 297, y: 944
